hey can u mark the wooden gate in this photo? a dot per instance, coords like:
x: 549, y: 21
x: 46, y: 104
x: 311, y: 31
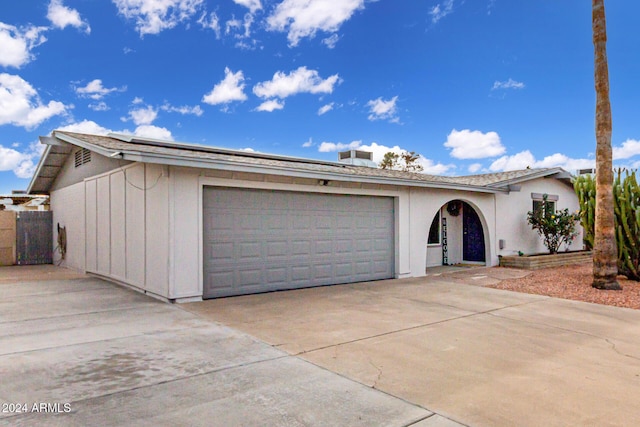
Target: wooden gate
x: 34, y: 237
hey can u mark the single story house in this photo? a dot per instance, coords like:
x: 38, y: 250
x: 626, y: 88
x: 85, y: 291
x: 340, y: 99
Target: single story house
x: 184, y: 222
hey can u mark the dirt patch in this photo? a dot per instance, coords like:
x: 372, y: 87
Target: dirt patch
x: 573, y: 282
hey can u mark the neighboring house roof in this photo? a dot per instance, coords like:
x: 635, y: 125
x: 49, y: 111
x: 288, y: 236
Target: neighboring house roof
x: 136, y: 149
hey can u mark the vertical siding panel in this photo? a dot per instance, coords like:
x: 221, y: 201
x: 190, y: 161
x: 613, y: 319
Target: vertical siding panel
x: 135, y: 225
x: 118, y: 223
x: 104, y: 226
x: 185, y: 234
x: 91, y: 189
x: 157, y: 230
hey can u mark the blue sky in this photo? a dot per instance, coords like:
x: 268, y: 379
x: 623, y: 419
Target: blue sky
x: 472, y: 85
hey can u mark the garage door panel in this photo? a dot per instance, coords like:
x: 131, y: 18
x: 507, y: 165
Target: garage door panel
x: 324, y: 247
x: 259, y: 240
x: 276, y: 275
x: 301, y: 247
x: 323, y: 272
x: 277, y: 248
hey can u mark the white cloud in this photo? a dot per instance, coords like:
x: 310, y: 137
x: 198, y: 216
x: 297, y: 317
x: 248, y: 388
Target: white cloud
x: 441, y: 10
x: 241, y: 29
x: 383, y: 110
x: 9, y: 158
x: 184, y: 110
x: 270, y: 105
x: 467, y: 144
x: 147, y: 131
x: 304, y: 18
x: 475, y: 167
x: 22, y: 164
x: 20, y: 104
x: 252, y: 5
x: 143, y: 116
x: 525, y: 159
x: 99, y: 106
x: 331, y: 41
x: 86, y: 126
x: 507, y: 84
x: 212, y: 22
x: 62, y: 16
x: 16, y: 44
x: 95, y: 90
x: 155, y: 132
x: 308, y: 143
x: 232, y: 24
x: 154, y: 16
x: 325, y: 109
x: 137, y: 100
x: 230, y: 89
x: 629, y: 148
x: 301, y: 80
x: 328, y: 147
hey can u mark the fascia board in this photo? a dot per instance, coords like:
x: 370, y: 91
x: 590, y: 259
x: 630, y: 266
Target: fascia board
x: 41, y: 163
x: 296, y: 173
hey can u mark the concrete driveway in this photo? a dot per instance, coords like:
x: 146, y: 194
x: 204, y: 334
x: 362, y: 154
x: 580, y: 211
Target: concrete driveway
x: 78, y: 351
x: 479, y: 356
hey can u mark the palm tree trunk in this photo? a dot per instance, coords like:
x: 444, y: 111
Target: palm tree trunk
x: 605, y: 258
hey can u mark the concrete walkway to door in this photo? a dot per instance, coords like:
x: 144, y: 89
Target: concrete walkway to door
x: 479, y: 356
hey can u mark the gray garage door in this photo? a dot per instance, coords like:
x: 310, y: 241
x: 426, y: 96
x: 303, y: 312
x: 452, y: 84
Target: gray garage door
x: 261, y: 240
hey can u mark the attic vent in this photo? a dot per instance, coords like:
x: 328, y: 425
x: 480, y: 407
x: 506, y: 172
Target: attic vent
x: 82, y: 156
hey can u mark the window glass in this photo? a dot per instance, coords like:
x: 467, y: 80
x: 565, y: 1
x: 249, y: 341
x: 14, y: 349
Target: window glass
x: 434, y: 231
x: 541, y: 208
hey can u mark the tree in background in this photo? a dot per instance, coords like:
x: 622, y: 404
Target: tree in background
x: 605, y: 258
x: 406, y: 161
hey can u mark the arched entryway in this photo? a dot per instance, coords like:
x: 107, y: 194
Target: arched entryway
x: 456, y: 236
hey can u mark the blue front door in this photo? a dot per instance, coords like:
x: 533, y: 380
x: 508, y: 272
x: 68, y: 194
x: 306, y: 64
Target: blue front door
x: 472, y: 235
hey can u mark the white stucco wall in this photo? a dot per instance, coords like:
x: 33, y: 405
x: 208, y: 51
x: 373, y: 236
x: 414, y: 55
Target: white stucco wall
x: 68, y: 207
x: 512, y: 211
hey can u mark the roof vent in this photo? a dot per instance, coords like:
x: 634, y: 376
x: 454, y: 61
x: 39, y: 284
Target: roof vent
x: 357, y: 158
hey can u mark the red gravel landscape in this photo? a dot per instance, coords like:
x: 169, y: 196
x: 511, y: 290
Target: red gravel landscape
x: 574, y: 283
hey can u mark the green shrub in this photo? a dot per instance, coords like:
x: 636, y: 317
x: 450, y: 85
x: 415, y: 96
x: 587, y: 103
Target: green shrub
x: 555, y: 227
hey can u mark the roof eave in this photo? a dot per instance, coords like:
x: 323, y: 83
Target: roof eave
x: 562, y: 174
x: 297, y: 173
x: 36, y: 174
x: 83, y: 144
